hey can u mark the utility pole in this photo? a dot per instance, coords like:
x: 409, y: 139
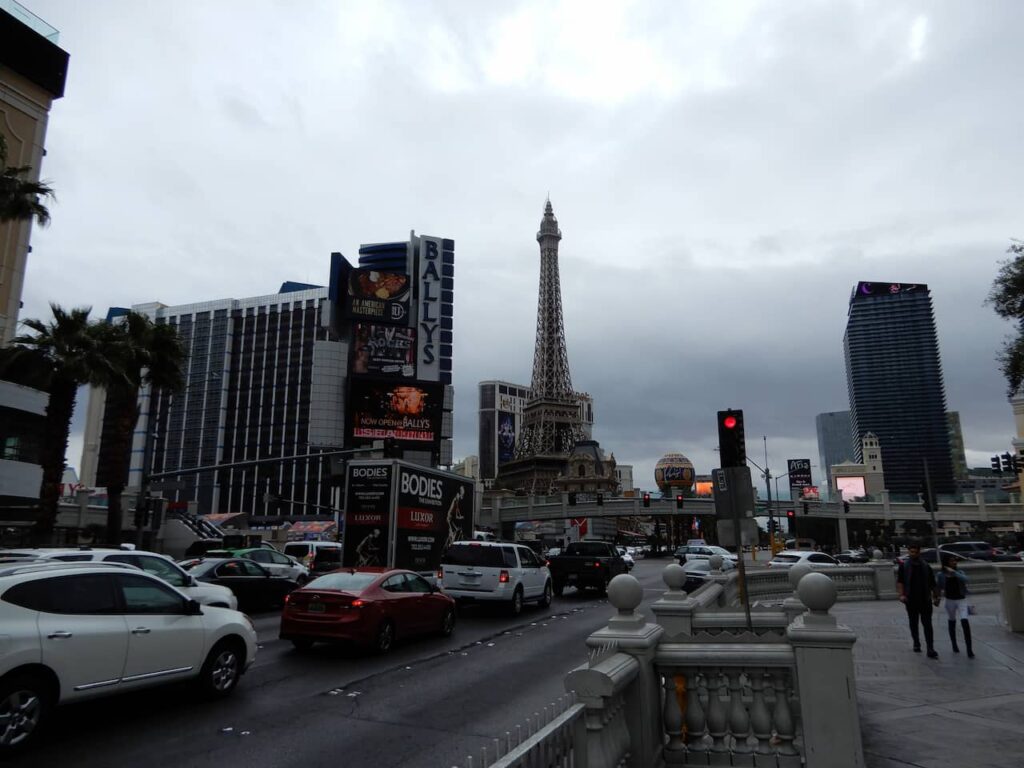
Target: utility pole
x: 930, y: 498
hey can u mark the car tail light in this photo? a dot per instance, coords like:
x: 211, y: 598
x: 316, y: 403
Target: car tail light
x: 597, y: 565
x: 440, y: 574
x: 288, y: 599
x: 357, y: 603
x: 503, y: 577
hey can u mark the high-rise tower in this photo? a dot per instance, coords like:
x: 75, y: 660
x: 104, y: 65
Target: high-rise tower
x: 894, y: 377
x: 551, y: 423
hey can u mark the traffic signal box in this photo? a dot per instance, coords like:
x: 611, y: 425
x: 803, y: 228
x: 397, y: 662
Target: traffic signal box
x: 997, y: 467
x: 732, y: 444
x: 1010, y: 463
x: 647, y: 499
x: 679, y: 501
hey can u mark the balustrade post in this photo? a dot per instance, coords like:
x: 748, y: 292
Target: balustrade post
x: 884, y: 576
x: 792, y: 605
x: 827, y: 689
x: 630, y: 634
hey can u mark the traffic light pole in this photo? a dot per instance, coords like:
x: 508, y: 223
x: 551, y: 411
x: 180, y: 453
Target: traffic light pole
x: 931, y: 510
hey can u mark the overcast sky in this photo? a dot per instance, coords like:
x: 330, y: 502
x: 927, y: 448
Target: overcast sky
x: 723, y: 173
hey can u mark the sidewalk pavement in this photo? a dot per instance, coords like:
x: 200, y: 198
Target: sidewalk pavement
x: 950, y: 712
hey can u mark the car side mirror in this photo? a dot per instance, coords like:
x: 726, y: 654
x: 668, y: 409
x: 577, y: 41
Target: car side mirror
x: 192, y: 608
x: 193, y: 581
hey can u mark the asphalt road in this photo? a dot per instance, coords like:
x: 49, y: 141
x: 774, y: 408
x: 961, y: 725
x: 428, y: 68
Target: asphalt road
x: 430, y: 702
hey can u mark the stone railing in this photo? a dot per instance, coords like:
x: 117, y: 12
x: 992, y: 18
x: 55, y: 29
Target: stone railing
x: 705, y: 685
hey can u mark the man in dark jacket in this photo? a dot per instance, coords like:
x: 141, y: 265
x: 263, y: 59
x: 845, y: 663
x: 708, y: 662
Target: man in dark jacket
x: 917, y: 589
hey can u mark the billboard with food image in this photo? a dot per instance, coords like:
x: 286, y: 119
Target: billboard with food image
x: 376, y: 295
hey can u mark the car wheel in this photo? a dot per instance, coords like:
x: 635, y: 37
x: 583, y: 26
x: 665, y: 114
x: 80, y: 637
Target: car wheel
x: 222, y: 668
x: 448, y: 622
x: 545, y: 599
x: 385, y: 637
x: 303, y: 643
x: 302, y: 581
x: 559, y: 588
x: 24, y: 706
x: 602, y: 588
x: 516, y: 606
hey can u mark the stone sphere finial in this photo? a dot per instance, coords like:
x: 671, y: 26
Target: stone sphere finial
x: 876, y: 554
x: 625, y: 593
x: 817, y: 591
x: 674, y: 577
x: 716, y: 563
x: 797, y: 572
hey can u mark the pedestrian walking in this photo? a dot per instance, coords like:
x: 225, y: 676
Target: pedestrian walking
x: 952, y: 584
x: 918, y: 591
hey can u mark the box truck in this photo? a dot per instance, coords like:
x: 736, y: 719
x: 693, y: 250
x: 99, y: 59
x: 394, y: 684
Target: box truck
x: 403, y: 515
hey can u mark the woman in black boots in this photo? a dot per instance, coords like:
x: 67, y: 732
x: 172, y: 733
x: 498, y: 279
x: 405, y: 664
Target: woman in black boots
x: 952, y: 584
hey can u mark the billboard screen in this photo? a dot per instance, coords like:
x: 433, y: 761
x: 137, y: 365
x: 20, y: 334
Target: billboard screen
x: 384, y: 350
x: 851, y: 487
x: 433, y: 510
x: 799, y: 471
x: 375, y: 295
x: 380, y: 409
x: 506, y: 437
x: 367, y: 523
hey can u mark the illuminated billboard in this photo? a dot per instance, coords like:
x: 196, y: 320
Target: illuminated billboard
x: 379, y: 409
x: 376, y: 295
x: 384, y: 350
x: 851, y: 487
x: 799, y: 471
x: 506, y: 436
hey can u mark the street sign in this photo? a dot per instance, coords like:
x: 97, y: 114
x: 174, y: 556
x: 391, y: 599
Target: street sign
x: 734, y: 495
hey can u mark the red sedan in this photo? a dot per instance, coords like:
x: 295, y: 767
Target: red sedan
x: 368, y: 606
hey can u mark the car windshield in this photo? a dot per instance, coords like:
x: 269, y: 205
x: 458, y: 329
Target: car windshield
x: 699, y: 565
x: 343, y: 582
x: 474, y: 554
x: 200, y: 567
x: 296, y: 550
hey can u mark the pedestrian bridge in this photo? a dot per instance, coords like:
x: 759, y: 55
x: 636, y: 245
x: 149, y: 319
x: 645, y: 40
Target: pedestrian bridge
x: 517, y: 509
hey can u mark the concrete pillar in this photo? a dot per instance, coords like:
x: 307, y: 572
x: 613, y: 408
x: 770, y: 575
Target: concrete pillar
x: 979, y: 499
x: 828, y: 690
x: 885, y: 579
x: 844, y: 534
x: 82, y: 500
x: 886, y: 508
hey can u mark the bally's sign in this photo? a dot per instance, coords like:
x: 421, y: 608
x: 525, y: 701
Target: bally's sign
x: 434, y: 270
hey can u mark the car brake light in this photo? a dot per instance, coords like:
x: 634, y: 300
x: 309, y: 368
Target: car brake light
x: 357, y: 603
x: 440, y: 574
x: 503, y: 577
x: 597, y: 565
x: 288, y: 599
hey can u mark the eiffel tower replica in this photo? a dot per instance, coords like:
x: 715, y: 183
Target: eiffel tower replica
x: 552, y: 424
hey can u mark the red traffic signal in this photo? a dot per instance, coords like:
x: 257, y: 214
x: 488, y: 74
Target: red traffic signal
x: 729, y: 422
x: 790, y: 513
x: 732, y: 446
x: 647, y: 499
x: 679, y: 501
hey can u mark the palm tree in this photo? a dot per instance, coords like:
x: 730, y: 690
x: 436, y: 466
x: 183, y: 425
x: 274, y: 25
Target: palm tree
x: 73, y: 349
x: 146, y: 354
x: 19, y: 195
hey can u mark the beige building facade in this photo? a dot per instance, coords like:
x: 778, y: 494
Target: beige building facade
x: 32, y: 74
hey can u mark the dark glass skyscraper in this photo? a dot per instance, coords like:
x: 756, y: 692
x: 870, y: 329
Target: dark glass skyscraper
x: 894, y: 379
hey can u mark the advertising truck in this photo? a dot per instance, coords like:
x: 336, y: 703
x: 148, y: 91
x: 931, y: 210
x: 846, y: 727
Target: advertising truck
x: 404, y: 515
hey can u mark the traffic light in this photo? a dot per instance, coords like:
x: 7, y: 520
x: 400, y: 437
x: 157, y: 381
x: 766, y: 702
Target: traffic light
x: 572, y: 499
x: 600, y: 499
x: 1009, y: 463
x: 1014, y: 463
x: 679, y: 501
x: 732, y: 445
x: 996, y: 466
x: 647, y: 499
x: 928, y: 499
x: 846, y: 507
x: 790, y: 513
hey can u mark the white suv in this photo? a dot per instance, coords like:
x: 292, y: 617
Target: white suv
x: 159, y: 565
x: 495, y: 571
x: 73, y: 631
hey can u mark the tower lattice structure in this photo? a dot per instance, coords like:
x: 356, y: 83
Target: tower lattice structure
x: 552, y: 423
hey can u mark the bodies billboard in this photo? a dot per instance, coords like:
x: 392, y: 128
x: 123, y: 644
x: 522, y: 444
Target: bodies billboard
x: 403, y: 515
x: 380, y: 409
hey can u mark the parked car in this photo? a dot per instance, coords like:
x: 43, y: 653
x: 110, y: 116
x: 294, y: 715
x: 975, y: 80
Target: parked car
x: 787, y: 558
x: 688, y: 552
x: 77, y: 630
x: 627, y: 557
x: 586, y: 564
x: 319, y: 557
x: 928, y: 555
x: 159, y: 565
x: 975, y: 550
x: 276, y: 562
x: 368, y: 606
x: 853, y: 556
x: 698, y: 572
x: 256, y: 588
x: 492, y: 571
